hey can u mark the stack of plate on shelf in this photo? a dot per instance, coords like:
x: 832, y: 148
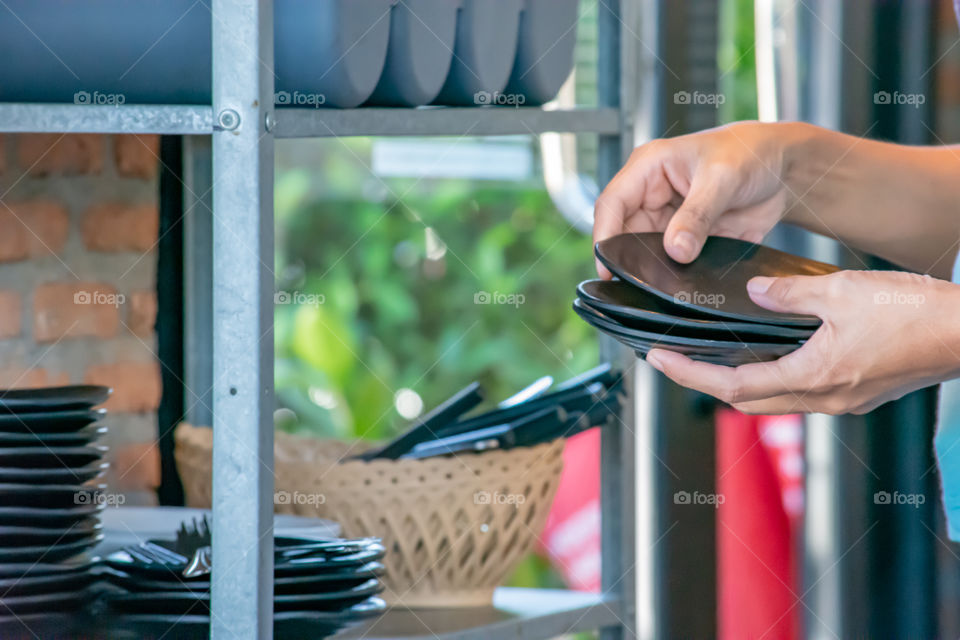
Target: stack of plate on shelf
x: 700, y: 309
x: 49, y: 510
x: 320, y: 585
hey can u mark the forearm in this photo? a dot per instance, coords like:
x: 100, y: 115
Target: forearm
x: 898, y: 202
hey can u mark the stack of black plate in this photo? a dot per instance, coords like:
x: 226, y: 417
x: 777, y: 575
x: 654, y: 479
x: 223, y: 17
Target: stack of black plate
x: 320, y: 587
x: 49, y: 510
x: 700, y: 309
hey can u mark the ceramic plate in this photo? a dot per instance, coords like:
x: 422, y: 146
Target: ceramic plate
x: 37, y: 458
x: 636, y: 308
x: 715, y: 351
x: 79, y: 438
x: 78, y: 396
x: 66, y: 475
x: 36, y: 536
x: 713, y: 284
x: 48, y: 552
x: 38, y: 585
x: 50, y: 422
x: 79, y: 564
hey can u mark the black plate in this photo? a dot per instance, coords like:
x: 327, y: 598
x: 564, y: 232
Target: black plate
x: 76, y: 396
x: 43, y: 517
x: 716, y: 282
x: 715, y: 351
x: 50, y: 496
x: 639, y: 309
x: 327, y: 580
x: 49, y: 552
x: 66, y: 475
x: 50, y: 457
x: 186, y: 602
x: 79, y: 438
x: 50, y: 422
x: 36, y: 536
x: 48, y: 602
x: 37, y: 585
x: 79, y: 564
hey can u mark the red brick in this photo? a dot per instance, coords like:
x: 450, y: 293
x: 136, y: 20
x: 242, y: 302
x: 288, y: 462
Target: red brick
x: 143, y: 313
x: 23, y: 378
x: 114, y: 226
x: 136, y: 466
x: 10, y: 313
x: 137, y: 156
x: 136, y: 385
x: 32, y: 228
x: 41, y: 154
x: 74, y: 309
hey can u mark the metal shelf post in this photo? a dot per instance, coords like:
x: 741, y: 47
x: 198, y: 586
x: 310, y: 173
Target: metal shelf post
x: 242, y: 587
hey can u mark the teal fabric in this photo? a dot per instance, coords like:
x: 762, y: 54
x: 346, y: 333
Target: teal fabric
x: 947, y: 445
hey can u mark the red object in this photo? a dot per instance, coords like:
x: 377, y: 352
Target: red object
x: 571, y: 536
x: 759, y: 474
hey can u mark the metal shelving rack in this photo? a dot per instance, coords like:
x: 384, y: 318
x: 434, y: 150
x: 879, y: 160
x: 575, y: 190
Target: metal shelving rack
x: 229, y: 153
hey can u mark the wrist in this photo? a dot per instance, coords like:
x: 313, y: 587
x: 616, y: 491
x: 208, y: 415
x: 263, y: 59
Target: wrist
x: 801, y: 146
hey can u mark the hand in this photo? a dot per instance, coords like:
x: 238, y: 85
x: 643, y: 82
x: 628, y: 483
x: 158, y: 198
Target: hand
x: 728, y: 181
x: 884, y: 334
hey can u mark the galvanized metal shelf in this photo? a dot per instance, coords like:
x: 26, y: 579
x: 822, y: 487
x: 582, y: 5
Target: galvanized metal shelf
x: 516, y: 613
x: 441, y: 121
x: 82, y: 118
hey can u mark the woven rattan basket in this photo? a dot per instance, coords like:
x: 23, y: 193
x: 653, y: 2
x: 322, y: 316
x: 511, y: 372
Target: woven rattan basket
x: 454, y: 527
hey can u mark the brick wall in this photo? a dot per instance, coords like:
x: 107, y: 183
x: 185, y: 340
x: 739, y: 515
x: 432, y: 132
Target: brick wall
x: 78, y: 229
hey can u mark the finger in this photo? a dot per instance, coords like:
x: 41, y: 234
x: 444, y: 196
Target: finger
x: 780, y: 405
x: 793, y: 294
x: 710, y: 194
x: 622, y: 197
x: 731, y: 384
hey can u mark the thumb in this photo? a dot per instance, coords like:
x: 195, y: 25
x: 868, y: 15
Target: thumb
x: 708, y: 198
x: 792, y: 294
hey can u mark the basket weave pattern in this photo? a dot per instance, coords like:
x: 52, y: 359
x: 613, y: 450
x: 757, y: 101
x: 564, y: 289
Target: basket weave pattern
x: 454, y: 527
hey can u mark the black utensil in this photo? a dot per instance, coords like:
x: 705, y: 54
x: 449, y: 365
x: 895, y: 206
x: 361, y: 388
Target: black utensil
x: 77, y: 396
x: 715, y: 283
x: 538, y: 388
x: 603, y: 373
x: 637, y: 308
x: 502, y: 436
x: 427, y: 427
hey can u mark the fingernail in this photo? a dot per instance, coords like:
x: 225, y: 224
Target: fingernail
x: 685, y: 241
x: 654, y: 361
x: 759, y: 285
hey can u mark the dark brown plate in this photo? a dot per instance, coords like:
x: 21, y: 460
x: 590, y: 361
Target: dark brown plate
x: 715, y: 284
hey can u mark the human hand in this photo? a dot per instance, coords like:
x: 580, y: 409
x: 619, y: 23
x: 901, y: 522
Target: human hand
x: 884, y: 334
x: 729, y: 181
